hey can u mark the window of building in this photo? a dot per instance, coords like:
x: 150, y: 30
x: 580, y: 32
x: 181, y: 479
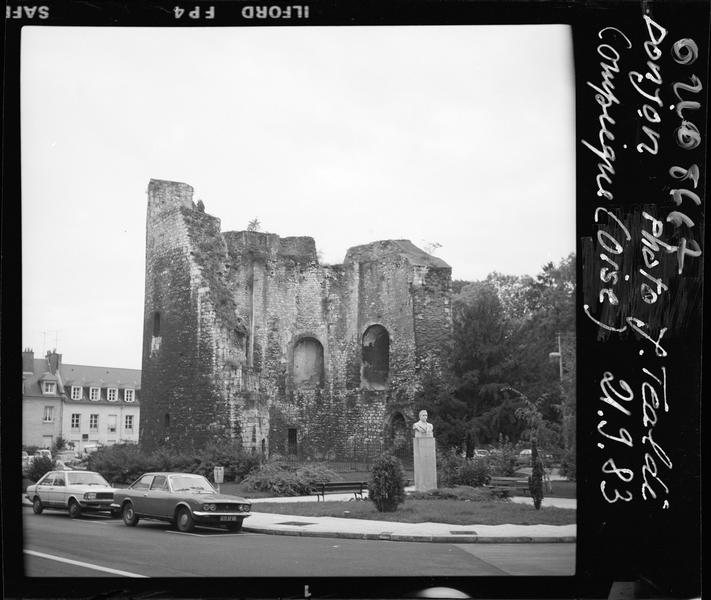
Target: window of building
x: 128, y: 423
x: 129, y: 395
x: 375, y: 357
x: 112, y: 394
x: 94, y: 393
x: 308, y: 363
x: 254, y: 433
x: 76, y: 392
x: 93, y: 421
x: 49, y: 387
x: 76, y: 420
x: 166, y: 420
x: 113, y: 419
x: 48, y: 415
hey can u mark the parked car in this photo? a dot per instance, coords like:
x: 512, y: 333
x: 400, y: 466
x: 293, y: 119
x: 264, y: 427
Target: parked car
x: 184, y: 499
x: 74, y: 491
x: 524, y: 457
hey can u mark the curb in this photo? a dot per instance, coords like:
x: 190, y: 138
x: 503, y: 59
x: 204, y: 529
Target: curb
x: 397, y: 537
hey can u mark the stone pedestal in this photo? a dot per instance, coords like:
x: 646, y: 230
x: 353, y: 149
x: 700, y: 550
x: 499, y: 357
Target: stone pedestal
x: 425, y: 463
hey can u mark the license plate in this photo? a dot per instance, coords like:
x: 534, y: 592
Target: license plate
x: 228, y: 518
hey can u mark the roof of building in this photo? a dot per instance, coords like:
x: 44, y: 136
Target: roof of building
x: 100, y: 376
x: 81, y: 375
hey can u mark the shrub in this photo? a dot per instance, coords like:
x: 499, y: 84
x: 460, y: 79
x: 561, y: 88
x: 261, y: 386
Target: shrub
x: 453, y: 469
x: 59, y: 444
x: 120, y: 463
x: 502, y: 460
x: 282, y: 479
x: 387, y: 483
x: 39, y: 466
x: 474, y: 472
x: 236, y: 462
x: 448, y: 465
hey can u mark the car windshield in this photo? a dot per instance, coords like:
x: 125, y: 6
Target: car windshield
x: 191, y: 483
x: 85, y: 478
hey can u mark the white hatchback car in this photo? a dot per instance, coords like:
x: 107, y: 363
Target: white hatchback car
x: 74, y: 491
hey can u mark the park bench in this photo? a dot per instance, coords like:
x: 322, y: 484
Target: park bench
x: 509, y: 486
x: 340, y: 487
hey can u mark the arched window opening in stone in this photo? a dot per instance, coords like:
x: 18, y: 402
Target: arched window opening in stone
x: 264, y: 446
x: 308, y: 363
x: 254, y: 434
x: 375, y: 358
x: 156, y: 324
x: 166, y: 420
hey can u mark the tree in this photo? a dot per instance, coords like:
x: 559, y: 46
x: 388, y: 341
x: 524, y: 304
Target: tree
x: 254, y: 225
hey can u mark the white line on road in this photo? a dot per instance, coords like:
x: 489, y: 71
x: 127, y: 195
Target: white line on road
x: 83, y: 564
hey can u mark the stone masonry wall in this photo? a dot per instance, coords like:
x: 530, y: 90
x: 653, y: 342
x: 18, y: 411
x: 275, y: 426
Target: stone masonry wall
x: 234, y: 306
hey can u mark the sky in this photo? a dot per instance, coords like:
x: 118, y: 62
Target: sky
x: 457, y: 138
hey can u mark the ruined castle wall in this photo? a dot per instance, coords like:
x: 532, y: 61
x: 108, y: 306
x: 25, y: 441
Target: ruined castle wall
x: 432, y: 311
x: 238, y: 307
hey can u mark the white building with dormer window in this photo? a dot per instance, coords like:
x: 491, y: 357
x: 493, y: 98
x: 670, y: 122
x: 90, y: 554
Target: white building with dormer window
x: 85, y: 405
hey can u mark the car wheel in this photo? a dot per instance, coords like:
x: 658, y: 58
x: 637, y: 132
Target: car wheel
x: 130, y: 517
x: 37, y: 507
x: 234, y: 527
x: 184, y: 520
x: 73, y: 509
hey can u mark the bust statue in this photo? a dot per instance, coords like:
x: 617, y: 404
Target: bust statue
x: 422, y: 428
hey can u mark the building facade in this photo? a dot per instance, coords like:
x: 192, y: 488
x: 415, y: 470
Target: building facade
x: 247, y: 337
x: 85, y: 405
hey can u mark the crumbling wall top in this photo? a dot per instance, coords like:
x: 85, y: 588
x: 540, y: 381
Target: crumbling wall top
x: 376, y: 251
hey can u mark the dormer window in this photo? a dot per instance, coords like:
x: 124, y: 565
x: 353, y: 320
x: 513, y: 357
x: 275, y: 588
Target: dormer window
x: 129, y: 395
x: 112, y: 394
x: 49, y: 387
x: 94, y: 393
x: 76, y: 392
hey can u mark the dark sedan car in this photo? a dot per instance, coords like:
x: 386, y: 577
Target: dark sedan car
x: 184, y: 499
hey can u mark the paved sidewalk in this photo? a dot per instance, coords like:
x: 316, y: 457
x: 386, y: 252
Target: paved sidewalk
x: 408, y: 532
x: 405, y: 532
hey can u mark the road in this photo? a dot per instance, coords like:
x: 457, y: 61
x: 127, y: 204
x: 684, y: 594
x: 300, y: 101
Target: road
x: 97, y: 546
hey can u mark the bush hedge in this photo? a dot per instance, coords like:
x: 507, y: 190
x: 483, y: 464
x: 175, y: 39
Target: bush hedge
x: 282, y: 479
x: 454, y: 469
x: 124, y: 463
x: 38, y: 467
x: 387, y: 483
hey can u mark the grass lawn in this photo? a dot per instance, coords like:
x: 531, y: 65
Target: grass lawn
x: 455, y: 512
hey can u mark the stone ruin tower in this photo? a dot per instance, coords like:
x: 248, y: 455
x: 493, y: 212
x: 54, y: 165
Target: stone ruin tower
x: 246, y: 337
